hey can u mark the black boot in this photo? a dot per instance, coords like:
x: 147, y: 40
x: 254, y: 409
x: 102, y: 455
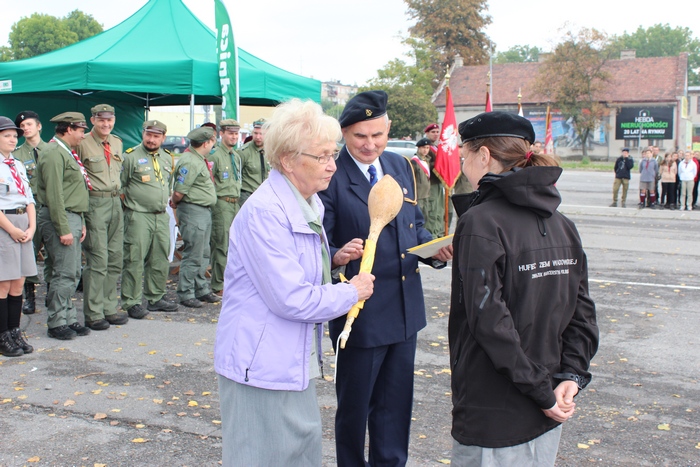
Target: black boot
x: 18, y: 336
x: 8, y: 347
x: 29, y: 306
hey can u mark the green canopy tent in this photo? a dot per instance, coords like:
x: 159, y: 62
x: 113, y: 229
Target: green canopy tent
x: 161, y: 55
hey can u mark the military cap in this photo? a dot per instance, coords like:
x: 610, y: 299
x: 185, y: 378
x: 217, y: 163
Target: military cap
x: 423, y: 142
x: 430, y: 127
x: 22, y: 116
x: 491, y: 124
x: 201, y: 134
x: 229, y: 123
x: 155, y: 126
x: 74, y: 118
x: 210, y: 125
x: 259, y: 123
x: 102, y: 110
x: 7, y: 124
x: 625, y: 149
x: 366, y: 105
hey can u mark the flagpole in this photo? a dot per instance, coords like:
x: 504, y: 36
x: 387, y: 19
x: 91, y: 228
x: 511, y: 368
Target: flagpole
x: 447, y: 188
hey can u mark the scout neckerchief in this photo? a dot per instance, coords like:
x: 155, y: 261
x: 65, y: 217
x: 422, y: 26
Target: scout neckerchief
x: 108, y: 151
x: 18, y: 181
x: 156, y: 168
x: 77, y: 159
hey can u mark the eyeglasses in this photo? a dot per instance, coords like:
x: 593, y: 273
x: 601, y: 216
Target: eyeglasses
x: 323, y: 160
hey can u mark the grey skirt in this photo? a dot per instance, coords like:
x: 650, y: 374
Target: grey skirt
x: 263, y: 428
x: 17, y: 258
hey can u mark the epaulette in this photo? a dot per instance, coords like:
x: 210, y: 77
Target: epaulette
x: 116, y: 136
x: 413, y: 201
x: 130, y: 150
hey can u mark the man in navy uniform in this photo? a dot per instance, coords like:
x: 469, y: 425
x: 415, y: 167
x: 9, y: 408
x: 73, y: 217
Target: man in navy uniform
x: 375, y: 371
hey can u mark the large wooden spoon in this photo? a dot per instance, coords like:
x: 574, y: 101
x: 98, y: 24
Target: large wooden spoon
x: 384, y: 203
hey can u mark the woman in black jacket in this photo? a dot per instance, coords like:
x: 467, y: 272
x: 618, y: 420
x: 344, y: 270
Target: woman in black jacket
x: 522, y: 325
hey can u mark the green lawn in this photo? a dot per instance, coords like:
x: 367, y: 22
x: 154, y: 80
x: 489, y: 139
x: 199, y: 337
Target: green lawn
x: 593, y: 166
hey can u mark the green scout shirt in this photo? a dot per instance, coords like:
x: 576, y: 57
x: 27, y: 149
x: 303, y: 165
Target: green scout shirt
x: 255, y: 167
x: 103, y: 177
x: 193, y: 179
x: 144, y: 188
x: 227, y: 171
x: 61, y: 184
x: 422, y: 179
x: 25, y: 153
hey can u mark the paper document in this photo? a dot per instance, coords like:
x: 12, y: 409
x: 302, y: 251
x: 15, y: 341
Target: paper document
x: 430, y: 249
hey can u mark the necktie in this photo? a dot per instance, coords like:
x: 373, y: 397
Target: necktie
x: 156, y: 169
x: 18, y: 181
x: 108, y: 151
x: 263, y: 172
x: 82, y: 170
x: 372, y: 175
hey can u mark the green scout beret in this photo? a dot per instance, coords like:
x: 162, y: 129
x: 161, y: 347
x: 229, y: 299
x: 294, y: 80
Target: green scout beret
x: 229, y: 124
x: 74, y: 118
x: 201, y: 134
x: 102, y: 110
x: 155, y: 126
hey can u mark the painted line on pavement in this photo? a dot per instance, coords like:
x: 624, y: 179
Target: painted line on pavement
x: 645, y: 284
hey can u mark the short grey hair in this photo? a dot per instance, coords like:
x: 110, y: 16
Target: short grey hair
x: 294, y: 126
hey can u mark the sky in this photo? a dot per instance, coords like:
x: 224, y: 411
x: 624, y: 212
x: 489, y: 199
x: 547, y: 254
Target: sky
x: 349, y: 41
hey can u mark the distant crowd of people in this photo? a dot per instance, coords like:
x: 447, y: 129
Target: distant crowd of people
x: 676, y: 172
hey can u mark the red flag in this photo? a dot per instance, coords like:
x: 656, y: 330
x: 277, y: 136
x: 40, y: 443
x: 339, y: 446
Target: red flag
x: 548, y: 139
x: 447, y: 166
x: 488, y: 107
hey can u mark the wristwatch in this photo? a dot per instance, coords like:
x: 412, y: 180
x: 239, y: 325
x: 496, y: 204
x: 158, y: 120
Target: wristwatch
x: 580, y: 381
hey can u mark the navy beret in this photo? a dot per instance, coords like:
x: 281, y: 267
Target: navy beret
x: 424, y: 142
x: 490, y: 124
x: 366, y: 105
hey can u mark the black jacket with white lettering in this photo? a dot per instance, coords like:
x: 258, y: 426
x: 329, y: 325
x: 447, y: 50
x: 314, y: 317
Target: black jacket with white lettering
x: 520, y: 309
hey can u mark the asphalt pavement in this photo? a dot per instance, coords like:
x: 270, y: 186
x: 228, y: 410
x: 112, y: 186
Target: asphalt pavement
x: 145, y: 393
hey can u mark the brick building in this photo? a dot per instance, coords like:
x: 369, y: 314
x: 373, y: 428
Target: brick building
x: 652, y: 92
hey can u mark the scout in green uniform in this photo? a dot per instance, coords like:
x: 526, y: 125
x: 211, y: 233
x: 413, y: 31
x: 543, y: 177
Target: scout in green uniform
x: 101, y: 153
x: 226, y: 167
x: 193, y: 196
x: 435, y: 217
x: 62, y: 190
x: 146, y: 188
x: 29, y: 154
x: 421, y: 171
x: 254, y: 165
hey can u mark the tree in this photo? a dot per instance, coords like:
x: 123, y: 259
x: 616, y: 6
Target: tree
x: 409, y: 109
x: 573, y: 79
x: 661, y: 40
x: 82, y: 24
x: 519, y: 54
x: 41, y: 33
x: 409, y: 88
x: 451, y: 27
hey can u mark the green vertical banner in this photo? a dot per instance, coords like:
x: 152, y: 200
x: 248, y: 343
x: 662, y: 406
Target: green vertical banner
x: 227, y: 55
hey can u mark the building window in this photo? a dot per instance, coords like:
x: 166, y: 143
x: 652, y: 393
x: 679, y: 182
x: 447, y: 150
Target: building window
x: 697, y: 104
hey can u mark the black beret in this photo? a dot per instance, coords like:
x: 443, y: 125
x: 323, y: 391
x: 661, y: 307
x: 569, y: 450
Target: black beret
x: 366, y: 105
x: 22, y: 116
x: 490, y: 124
x: 424, y: 142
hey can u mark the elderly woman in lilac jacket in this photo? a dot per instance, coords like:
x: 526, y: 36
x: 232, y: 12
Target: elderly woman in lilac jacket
x: 277, y: 294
